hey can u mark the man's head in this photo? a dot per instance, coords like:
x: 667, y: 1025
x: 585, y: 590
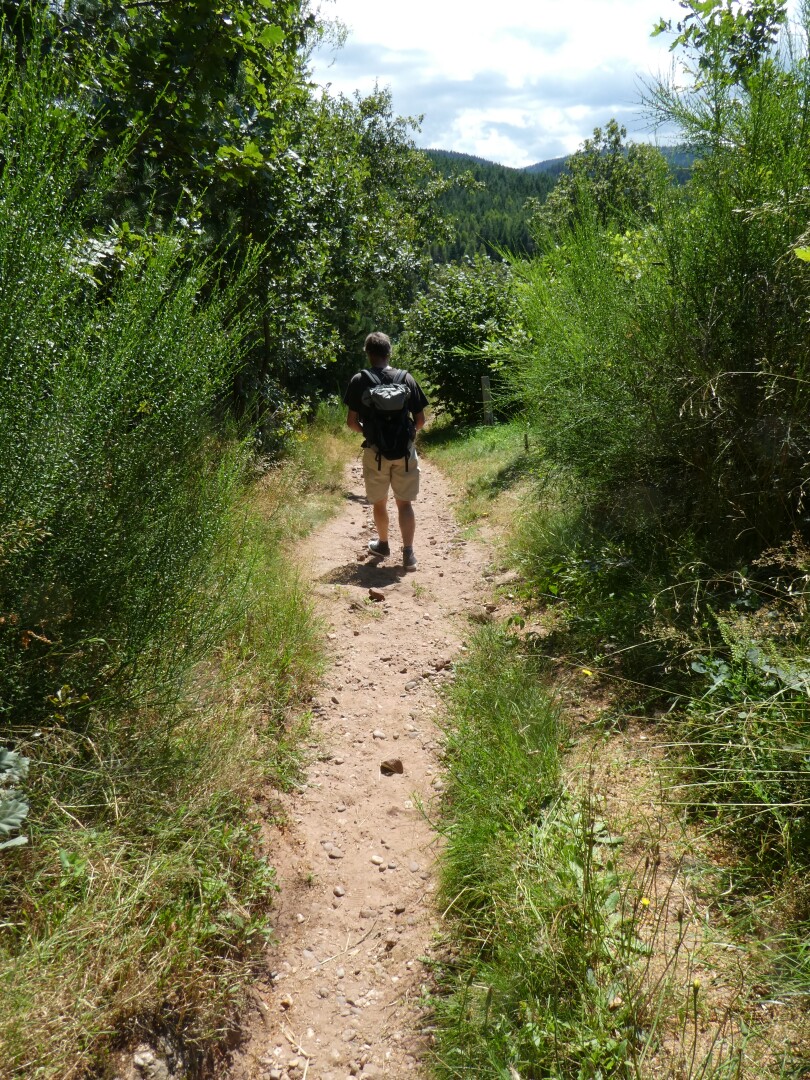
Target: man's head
x: 378, y: 348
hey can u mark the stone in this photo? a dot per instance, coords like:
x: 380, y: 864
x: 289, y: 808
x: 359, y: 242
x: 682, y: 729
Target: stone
x: 411, y: 684
x: 391, y: 766
x: 399, y: 908
x: 378, y: 734
x: 151, y: 1066
x: 339, y: 890
x: 377, y: 860
x: 285, y: 1001
x: 377, y: 595
x: 334, y: 700
x: 336, y: 853
x: 340, y: 808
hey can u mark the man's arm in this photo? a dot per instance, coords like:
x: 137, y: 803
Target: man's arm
x: 353, y: 421
x: 418, y: 421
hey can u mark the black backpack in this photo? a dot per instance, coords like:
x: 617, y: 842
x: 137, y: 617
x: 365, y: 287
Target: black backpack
x: 387, y: 423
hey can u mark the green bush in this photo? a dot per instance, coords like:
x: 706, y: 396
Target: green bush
x: 674, y: 357
x: 453, y: 334
x: 113, y: 484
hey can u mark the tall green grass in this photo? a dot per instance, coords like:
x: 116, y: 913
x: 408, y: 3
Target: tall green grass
x: 667, y: 382
x: 562, y: 960
x: 144, y: 895
x: 669, y: 361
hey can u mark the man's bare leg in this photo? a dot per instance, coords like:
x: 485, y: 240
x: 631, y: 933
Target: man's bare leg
x: 380, y: 511
x: 407, y: 522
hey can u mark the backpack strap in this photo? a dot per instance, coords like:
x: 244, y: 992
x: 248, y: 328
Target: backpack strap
x: 402, y: 377
x: 375, y: 381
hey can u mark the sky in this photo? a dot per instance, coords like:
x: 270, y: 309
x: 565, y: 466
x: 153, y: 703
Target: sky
x: 513, y: 81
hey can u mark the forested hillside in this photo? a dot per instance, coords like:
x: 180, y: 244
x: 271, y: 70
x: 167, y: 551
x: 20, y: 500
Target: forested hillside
x: 488, y: 214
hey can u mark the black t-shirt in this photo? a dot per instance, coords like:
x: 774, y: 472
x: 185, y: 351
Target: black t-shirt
x: 360, y: 382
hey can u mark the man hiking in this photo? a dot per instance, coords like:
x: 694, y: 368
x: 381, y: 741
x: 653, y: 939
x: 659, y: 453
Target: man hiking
x: 387, y: 407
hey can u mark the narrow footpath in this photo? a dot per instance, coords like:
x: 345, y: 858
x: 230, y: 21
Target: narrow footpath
x: 355, y: 918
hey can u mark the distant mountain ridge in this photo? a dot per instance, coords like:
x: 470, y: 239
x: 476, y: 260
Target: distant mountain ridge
x: 553, y: 165
x: 679, y: 157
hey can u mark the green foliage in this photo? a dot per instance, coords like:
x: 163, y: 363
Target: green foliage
x: 189, y: 84
x: 492, y: 458
x: 487, y: 206
x: 666, y: 381
x: 143, y: 899
x: 725, y: 40
x: 674, y: 356
x: 744, y: 734
x: 606, y: 180
x: 550, y: 973
x: 454, y: 333
x: 112, y: 490
x: 726, y: 49
x: 122, y: 564
x: 228, y: 144
x: 13, y: 805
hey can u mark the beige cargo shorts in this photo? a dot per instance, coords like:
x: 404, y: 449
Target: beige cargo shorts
x: 378, y: 478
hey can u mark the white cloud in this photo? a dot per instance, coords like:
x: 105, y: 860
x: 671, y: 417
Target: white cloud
x: 515, y: 82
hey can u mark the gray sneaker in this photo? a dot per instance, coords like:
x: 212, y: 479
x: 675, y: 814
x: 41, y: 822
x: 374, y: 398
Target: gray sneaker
x: 408, y: 558
x: 379, y: 548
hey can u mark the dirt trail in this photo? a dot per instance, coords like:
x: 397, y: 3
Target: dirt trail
x: 355, y: 913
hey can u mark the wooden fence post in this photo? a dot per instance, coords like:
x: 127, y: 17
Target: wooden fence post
x: 487, y: 398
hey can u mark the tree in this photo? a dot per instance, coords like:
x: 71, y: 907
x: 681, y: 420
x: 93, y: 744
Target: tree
x: 183, y: 83
x: 723, y: 45
x: 226, y: 139
x: 454, y: 331
x: 614, y: 181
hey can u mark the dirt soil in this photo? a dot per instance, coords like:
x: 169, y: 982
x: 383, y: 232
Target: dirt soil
x: 344, y: 992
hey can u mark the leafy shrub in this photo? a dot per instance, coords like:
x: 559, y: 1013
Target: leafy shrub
x: 454, y: 333
x: 113, y: 485
x: 674, y: 355
x: 13, y: 805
